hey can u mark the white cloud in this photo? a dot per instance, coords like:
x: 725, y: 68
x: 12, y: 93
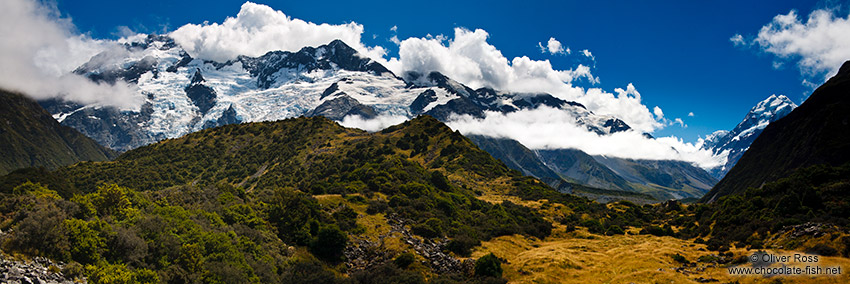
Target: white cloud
x: 549, y: 128
x: 469, y: 59
x: 680, y: 122
x: 737, y: 40
x: 372, y: 124
x: 39, y: 50
x: 258, y: 29
x: 553, y: 46
x: 659, y: 114
x: 691, y: 114
x: 394, y: 28
x: 588, y: 54
x: 819, y: 45
x: 395, y: 40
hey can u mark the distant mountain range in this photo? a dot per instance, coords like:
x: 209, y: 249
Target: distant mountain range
x: 183, y: 94
x: 738, y: 140
x: 560, y: 168
x: 815, y: 133
x: 30, y: 137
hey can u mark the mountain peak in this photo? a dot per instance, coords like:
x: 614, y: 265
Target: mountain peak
x: 338, y: 44
x: 332, y: 56
x: 814, y: 133
x: 737, y: 141
x: 774, y: 103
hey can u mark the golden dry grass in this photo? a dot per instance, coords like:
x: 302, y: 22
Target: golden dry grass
x: 580, y: 257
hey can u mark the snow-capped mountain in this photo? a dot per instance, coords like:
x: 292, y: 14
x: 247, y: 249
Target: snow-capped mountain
x: 185, y: 94
x: 738, y: 140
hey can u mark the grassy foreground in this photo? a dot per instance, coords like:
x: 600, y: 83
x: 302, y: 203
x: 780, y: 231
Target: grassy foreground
x: 581, y: 257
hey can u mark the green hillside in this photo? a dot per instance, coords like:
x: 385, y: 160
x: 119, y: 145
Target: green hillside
x: 265, y: 202
x: 30, y: 137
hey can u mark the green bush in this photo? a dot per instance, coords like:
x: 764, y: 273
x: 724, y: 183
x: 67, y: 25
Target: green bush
x: 42, y: 232
x: 488, y: 266
x: 439, y: 180
x: 462, y: 245
x: 822, y: 249
x: 404, y: 260
x: 329, y: 243
x: 614, y: 230
x: 593, y: 226
x: 680, y: 259
x: 387, y: 273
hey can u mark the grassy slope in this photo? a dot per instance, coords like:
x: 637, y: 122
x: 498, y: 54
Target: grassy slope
x: 30, y: 137
x: 224, y: 179
x: 579, y: 257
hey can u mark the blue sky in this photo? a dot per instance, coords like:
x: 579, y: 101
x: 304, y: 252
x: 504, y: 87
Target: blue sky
x: 676, y: 53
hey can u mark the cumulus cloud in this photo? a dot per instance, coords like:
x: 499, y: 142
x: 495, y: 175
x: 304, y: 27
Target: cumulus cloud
x: 553, y: 46
x: 371, y: 124
x: 680, y: 122
x: 258, y: 29
x: 818, y: 45
x: 588, y: 54
x: 470, y: 59
x: 691, y: 114
x: 39, y: 50
x: 549, y: 128
x: 659, y: 114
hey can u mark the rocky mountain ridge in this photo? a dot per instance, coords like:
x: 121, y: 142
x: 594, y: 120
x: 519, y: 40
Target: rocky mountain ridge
x: 735, y: 142
x: 183, y: 94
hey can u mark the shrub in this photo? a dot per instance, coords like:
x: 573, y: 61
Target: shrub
x: 387, y: 273
x: 822, y: 249
x: 308, y: 272
x: 404, y: 260
x: 488, y: 266
x: 614, y: 230
x: 439, y: 180
x: 87, y: 242
x: 432, y: 228
x: 462, y: 245
x: 377, y: 206
x: 680, y: 259
x: 329, y: 243
x: 593, y: 226
x: 708, y: 258
x: 35, y: 189
x: 657, y: 231
x: 42, y: 232
x: 714, y: 244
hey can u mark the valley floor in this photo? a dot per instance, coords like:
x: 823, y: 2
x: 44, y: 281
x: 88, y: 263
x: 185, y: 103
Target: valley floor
x: 580, y: 257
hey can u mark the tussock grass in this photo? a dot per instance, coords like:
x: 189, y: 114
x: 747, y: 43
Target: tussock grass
x: 581, y: 257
